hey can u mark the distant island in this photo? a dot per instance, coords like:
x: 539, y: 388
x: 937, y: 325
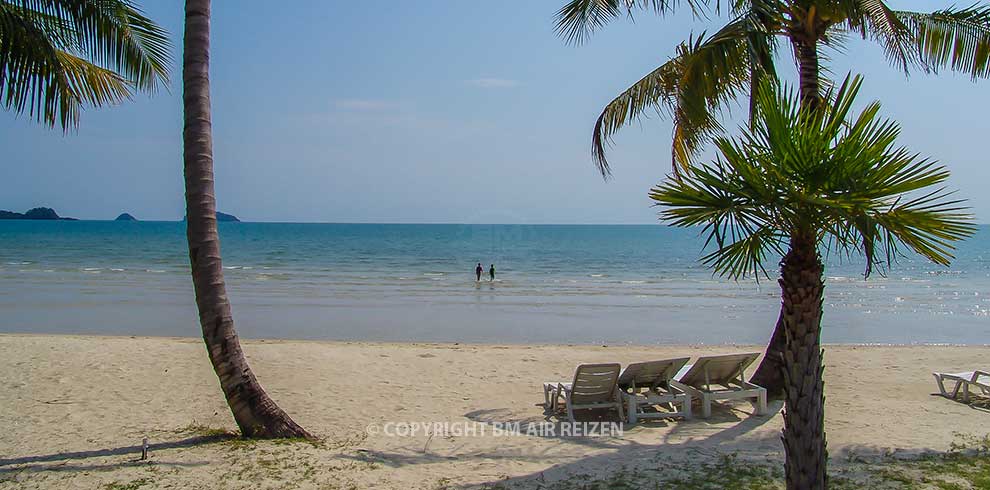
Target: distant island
x: 222, y: 217
x: 36, y: 214
x: 226, y: 217
x: 49, y: 214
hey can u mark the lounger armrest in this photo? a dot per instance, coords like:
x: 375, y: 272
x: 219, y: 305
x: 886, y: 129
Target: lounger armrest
x: 978, y: 373
x: 675, y: 388
x: 690, y: 390
x: 751, y: 386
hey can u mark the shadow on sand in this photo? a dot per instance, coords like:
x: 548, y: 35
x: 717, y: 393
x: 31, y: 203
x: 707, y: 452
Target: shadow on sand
x: 690, y: 436
x: 61, y: 461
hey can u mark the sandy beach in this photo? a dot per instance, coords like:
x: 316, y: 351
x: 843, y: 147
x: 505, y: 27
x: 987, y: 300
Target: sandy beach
x: 75, y: 411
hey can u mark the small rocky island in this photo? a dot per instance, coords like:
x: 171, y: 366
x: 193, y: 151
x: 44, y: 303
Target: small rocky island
x: 222, y: 217
x: 36, y: 214
x: 125, y: 217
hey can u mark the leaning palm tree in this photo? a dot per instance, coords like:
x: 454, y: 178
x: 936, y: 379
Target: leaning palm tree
x: 795, y: 182
x: 254, y: 411
x: 59, y: 56
x: 707, y: 73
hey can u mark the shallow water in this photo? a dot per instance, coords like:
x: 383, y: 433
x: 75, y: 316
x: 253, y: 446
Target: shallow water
x: 555, y: 284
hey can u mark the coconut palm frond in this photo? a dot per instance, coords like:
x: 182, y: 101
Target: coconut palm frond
x: 956, y: 39
x: 691, y: 88
x: 578, y: 19
x: 56, y: 56
x: 885, y: 27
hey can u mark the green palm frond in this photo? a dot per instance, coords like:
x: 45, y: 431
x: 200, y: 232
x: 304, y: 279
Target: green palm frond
x: 826, y: 171
x: 957, y: 39
x: 692, y: 88
x: 57, y: 56
x: 873, y: 19
x: 577, y: 20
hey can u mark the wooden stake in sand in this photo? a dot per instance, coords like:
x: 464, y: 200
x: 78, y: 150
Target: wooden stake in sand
x: 144, y: 449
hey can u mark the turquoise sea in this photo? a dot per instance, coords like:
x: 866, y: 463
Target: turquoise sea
x: 555, y: 284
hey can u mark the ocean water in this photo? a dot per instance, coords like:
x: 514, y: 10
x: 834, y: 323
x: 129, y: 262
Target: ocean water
x: 555, y: 284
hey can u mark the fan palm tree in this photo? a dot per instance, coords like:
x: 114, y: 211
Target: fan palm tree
x: 254, y: 411
x: 798, y: 180
x: 58, y: 56
x: 708, y: 72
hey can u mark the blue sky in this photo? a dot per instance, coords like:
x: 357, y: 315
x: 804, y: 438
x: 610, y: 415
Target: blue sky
x: 426, y: 111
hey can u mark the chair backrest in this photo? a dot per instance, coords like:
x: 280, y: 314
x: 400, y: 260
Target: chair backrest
x: 594, y: 383
x: 650, y: 374
x: 719, y: 370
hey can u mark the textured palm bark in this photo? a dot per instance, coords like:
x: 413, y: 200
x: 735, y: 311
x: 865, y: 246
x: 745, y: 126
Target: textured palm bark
x: 802, y: 290
x: 809, y: 72
x: 769, y: 374
x: 255, y: 413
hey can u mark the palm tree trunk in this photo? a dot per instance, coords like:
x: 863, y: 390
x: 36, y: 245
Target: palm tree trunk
x: 255, y: 413
x: 809, y: 72
x: 769, y: 374
x: 802, y: 290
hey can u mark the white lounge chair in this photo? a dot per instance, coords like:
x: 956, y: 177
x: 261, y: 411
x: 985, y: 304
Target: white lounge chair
x: 975, y: 379
x: 721, y: 378
x: 593, y: 387
x: 647, y: 384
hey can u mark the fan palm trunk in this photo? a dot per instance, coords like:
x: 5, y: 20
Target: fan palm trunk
x: 255, y: 413
x: 802, y: 290
x: 769, y: 374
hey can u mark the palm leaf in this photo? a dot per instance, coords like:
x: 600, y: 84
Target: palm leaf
x: 888, y: 30
x: 692, y: 88
x: 957, y: 39
x: 578, y: 19
x: 58, y: 55
x: 826, y: 172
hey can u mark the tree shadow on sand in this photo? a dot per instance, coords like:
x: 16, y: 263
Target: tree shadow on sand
x: 690, y: 434
x: 62, y: 461
x: 976, y: 402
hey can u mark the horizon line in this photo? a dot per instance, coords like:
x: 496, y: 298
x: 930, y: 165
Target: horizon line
x: 370, y: 222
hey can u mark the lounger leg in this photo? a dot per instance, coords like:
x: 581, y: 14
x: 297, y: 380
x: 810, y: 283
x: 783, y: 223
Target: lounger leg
x: 941, y: 385
x: 570, y: 411
x: 619, y: 409
x: 761, y: 402
x: 965, y: 392
x: 686, y: 407
x: 631, y: 416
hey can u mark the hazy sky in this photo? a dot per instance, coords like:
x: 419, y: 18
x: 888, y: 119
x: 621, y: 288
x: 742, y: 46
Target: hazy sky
x: 424, y: 111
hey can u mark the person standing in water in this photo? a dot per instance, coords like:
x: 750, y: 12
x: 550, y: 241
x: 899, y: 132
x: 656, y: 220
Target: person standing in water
x: 491, y: 273
x: 478, y: 270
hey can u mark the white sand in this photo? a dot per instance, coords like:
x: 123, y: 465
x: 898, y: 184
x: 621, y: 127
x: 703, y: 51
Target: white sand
x: 73, y: 408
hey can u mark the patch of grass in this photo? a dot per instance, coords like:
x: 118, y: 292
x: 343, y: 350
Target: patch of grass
x: 965, y: 467
x: 131, y: 485
x: 955, y: 470
x: 207, y: 431
x: 728, y: 472
x: 316, y: 443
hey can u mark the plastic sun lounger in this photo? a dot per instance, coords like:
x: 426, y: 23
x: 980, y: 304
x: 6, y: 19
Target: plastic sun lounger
x: 647, y: 384
x: 594, y: 386
x: 978, y: 379
x: 721, y: 378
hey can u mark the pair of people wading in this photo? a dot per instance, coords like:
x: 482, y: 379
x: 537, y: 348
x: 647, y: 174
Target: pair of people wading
x: 479, y: 270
